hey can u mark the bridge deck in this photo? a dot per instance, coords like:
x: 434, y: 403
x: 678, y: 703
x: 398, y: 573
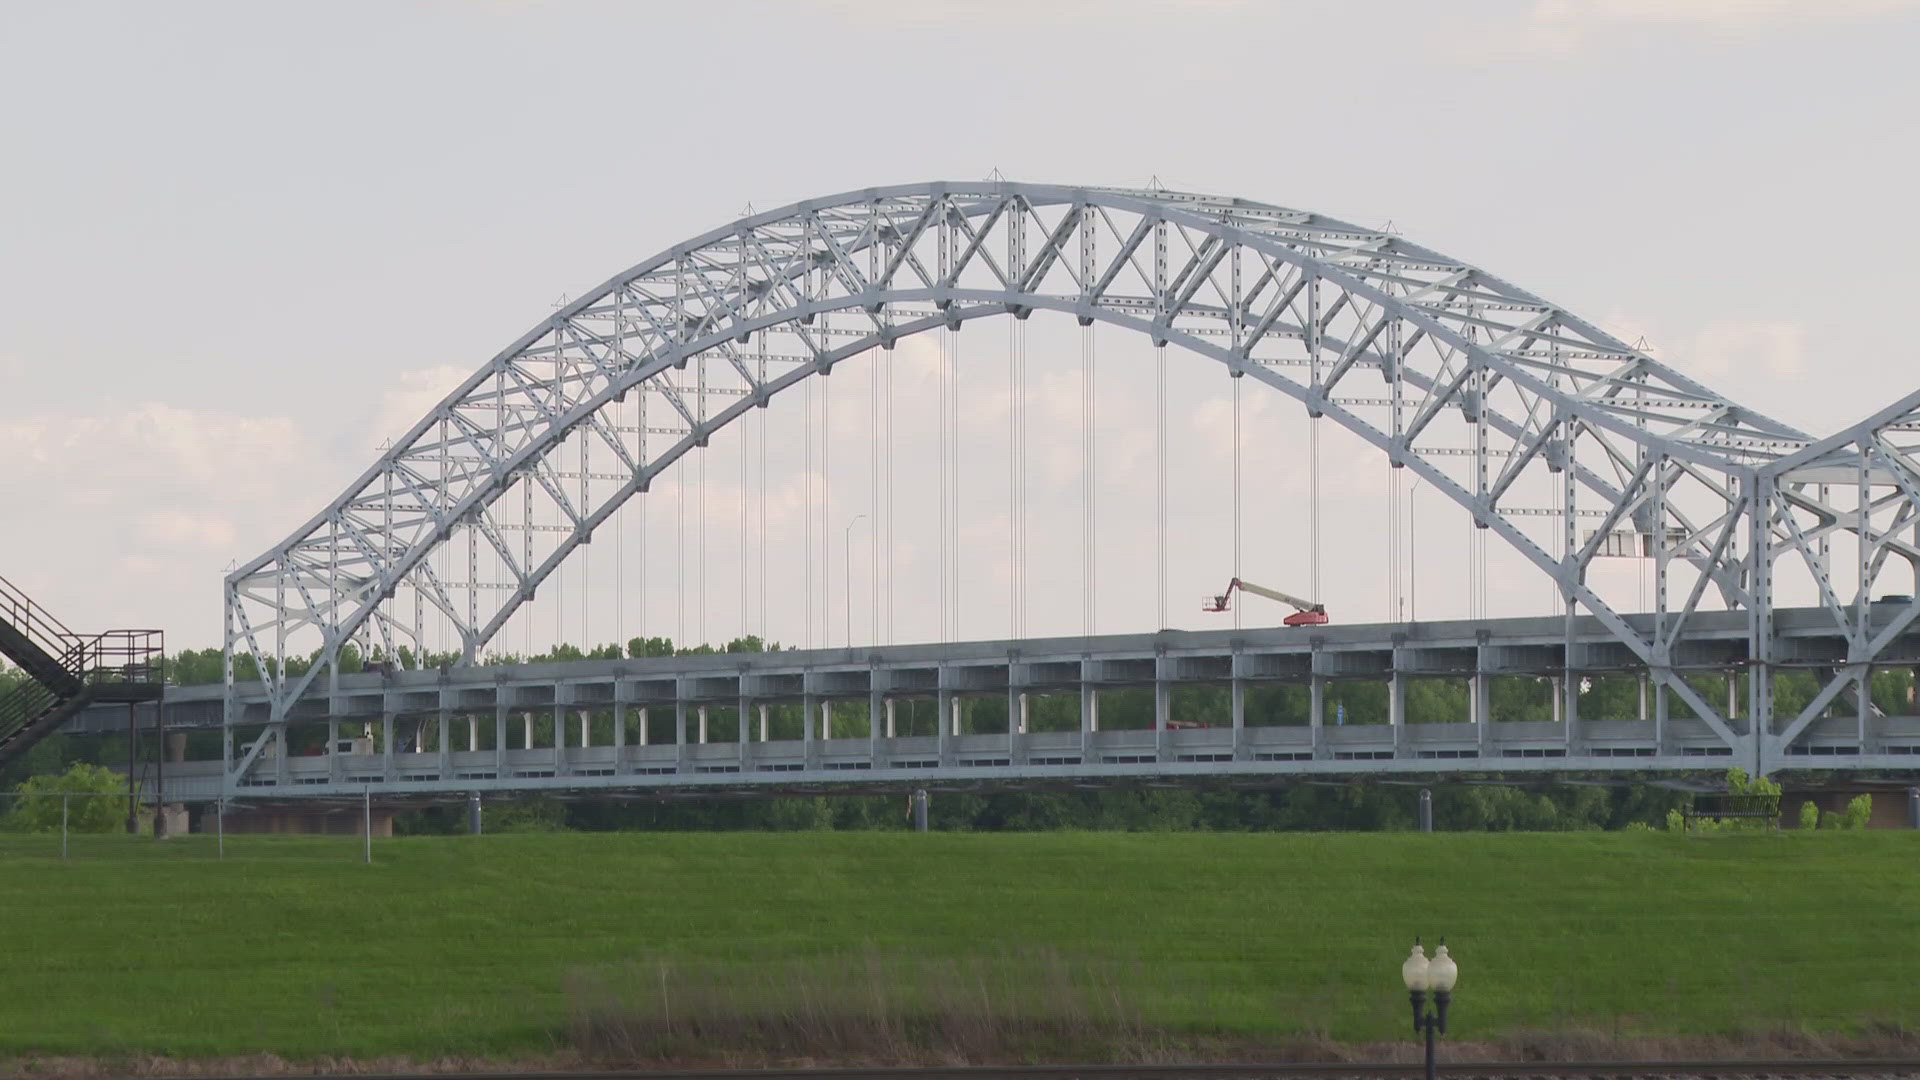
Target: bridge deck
x: 473, y: 728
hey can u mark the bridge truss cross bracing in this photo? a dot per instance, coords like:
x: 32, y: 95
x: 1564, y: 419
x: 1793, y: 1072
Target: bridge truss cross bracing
x: 1558, y: 438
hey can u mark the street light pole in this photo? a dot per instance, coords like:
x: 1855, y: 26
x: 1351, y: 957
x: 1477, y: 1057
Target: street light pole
x: 846, y: 546
x: 1435, y: 977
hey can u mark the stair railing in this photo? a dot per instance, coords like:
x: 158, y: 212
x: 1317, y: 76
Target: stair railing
x: 23, y: 705
x: 39, y: 627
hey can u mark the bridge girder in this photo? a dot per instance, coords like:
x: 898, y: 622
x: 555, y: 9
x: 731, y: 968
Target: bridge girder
x: 1485, y: 391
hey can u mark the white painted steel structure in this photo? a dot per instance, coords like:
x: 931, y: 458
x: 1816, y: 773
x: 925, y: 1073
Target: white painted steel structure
x: 1563, y: 441
x: 583, y: 726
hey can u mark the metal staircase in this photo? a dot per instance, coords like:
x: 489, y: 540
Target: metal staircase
x: 65, y: 672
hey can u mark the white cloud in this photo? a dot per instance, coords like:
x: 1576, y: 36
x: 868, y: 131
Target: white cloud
x: 151, y: 450
x: 147, y: 505
x: 415, y: 394
x: 183, y: 529
x: 1726, y: 355
x: 1731, y: 353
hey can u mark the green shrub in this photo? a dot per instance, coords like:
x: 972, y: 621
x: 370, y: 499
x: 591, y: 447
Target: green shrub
x: 41, y: 803
x: 1859, y: 811
x: 1809, y: 815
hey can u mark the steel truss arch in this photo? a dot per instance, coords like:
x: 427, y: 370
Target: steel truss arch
x: 1299, y: 302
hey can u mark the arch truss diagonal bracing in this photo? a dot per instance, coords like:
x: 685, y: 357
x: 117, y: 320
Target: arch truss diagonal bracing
x: 1564, y: 442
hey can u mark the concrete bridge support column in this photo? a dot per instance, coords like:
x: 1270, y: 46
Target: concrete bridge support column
x: 559, y: 733
x: 640, y: 726
x: 1862, y: 705
x: 170, y: 819
x: 1026, y: 712
x: 1317, y: 713
x: 333, y: 749
x: 1014, y: 722
x: 1237, y: 695
x: 744, y: 725
x: 526, y: 731
x: 763, y: 723
x: 386, y: 745
x: 473, y: 732
x: 700, y: 713
x: 586, y: 728
x: 1480, y: 706
x: 619, y: 734
x: 1660, y: 716
x: 1089, y: 715
x: 1570, y: 696
x: 500, y: 732
x: 943, y: 718
x: 887, y: 705
x: 1162, y: 712
x: 809, y: 716
x: 1397, y: 709
x: 680, y: 727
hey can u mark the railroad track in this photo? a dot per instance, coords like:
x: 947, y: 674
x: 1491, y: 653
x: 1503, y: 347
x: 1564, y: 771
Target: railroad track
x: 1808, y: 1069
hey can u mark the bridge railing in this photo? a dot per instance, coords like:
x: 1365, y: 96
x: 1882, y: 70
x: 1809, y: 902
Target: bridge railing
x: 122, y: 660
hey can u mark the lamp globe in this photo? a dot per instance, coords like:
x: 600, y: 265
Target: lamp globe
x: 1442, y: 972
x: 1414, y: 971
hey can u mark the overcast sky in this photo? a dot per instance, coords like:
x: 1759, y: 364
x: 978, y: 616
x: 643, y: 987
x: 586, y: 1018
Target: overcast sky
x: 242, y: 244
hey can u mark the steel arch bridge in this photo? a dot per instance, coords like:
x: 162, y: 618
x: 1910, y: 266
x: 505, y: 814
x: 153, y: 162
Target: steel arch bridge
x: 1490, y: 394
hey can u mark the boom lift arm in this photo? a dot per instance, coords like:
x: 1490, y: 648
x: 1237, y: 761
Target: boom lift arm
x: 1305, y: 612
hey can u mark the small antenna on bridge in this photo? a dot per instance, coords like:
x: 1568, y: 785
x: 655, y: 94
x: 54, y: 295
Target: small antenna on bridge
x: 562, y: 302
x: 1154, y: 184
x: 748, y: 212
x: 1641, y: 344
x: 996, y: 176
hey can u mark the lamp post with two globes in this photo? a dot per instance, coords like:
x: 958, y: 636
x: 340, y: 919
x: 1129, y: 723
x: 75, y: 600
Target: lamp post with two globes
x: 1433, y: 977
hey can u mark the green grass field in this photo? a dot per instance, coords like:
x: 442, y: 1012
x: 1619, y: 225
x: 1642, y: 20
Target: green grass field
x: 464, y: 945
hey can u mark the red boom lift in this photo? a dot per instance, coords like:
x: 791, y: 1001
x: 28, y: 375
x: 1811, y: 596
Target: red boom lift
x: 1305, y: 612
